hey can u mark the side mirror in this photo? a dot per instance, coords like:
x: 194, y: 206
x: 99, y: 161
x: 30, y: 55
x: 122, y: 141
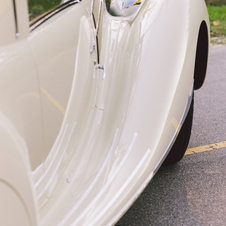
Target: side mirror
x: 123, y: 7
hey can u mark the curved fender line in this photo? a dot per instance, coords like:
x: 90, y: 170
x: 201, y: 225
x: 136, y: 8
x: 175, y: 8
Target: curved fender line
x: 177, y: 131
x: 151, y: 175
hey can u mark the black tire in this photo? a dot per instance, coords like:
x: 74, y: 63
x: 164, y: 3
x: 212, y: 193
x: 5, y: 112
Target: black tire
x: 180, y: 145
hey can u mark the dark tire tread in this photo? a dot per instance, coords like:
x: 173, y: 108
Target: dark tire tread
x: 179, y: 147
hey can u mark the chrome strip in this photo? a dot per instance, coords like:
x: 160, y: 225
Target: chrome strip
x: 186, y: 110
x: 99, y: 18
x: 52, y: 13
x: 15, y: 17
x: 92, y: 6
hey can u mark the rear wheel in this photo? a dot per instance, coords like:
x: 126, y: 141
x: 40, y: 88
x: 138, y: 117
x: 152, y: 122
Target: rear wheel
x: 179, y: 147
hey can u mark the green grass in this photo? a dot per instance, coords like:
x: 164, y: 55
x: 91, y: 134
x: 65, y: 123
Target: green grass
x: 217, y: 14
x: 39, y: 7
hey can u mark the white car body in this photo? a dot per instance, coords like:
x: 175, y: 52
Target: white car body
x: 83, y: 132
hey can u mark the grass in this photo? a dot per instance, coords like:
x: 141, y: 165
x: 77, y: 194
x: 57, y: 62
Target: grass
x: 217, y: 16
x: 39, y: 7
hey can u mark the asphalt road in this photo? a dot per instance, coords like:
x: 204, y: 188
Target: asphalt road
x: 193, y: 191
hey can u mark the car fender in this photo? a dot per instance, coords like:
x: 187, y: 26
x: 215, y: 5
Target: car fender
x: 17, y: 193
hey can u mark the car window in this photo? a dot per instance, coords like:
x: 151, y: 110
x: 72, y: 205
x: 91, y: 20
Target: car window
x: 37, y: 8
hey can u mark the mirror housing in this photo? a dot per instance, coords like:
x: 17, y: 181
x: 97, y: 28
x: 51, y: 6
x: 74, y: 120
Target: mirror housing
x: 123, y: 7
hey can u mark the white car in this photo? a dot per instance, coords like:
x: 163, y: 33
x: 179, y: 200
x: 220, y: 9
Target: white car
x: 93, y: 96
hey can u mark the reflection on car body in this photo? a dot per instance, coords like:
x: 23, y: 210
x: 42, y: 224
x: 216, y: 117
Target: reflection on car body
x: 94, y: 96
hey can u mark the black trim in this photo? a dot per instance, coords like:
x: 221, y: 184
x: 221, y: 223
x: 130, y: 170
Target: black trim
x: 98, y: 58
x: 94, y: 23
x: 15, y: 17
x: 50, y: 14
x: 201, y: 56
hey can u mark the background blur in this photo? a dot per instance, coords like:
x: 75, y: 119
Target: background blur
x: 216, y: 2
x: 217, y: 16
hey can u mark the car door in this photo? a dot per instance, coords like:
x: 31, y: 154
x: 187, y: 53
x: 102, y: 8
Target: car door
x: 63, y: 42
x: 19, y: 90
x: 59, y: 35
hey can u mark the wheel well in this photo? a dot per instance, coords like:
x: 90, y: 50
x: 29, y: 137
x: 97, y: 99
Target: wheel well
x: 201, y: 59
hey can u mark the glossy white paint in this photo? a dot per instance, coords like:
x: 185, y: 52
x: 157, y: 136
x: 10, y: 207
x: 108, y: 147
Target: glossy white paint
x: 7, y: 22
x: 16, y: 186
x: 57, y: 66
x: 22, y: 19
x: 87, y: 136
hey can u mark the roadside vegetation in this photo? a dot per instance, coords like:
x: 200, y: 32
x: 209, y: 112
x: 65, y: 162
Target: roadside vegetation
x: 38, y: 7
x: 217, y: 16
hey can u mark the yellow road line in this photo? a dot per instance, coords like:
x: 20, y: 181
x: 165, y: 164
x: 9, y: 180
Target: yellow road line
x: 208, y: 147
x: 32, y: 94
x: 29, y: 95
x: 55, y: 102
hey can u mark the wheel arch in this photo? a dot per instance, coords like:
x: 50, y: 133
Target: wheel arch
x: 201, y: 59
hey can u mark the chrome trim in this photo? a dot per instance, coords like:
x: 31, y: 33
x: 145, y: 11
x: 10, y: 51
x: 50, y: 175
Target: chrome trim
x: 15, y: 18
x: 186, y: 110
x: 100, y: 67
x: 124, y: 8
x: 96, y: 23
x: 92, y: 49
x: 52, y: 13
x: 92, y: 6
x: 99, y: 18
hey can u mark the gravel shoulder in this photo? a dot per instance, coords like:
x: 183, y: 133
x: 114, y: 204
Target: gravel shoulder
x: 214, y: 41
